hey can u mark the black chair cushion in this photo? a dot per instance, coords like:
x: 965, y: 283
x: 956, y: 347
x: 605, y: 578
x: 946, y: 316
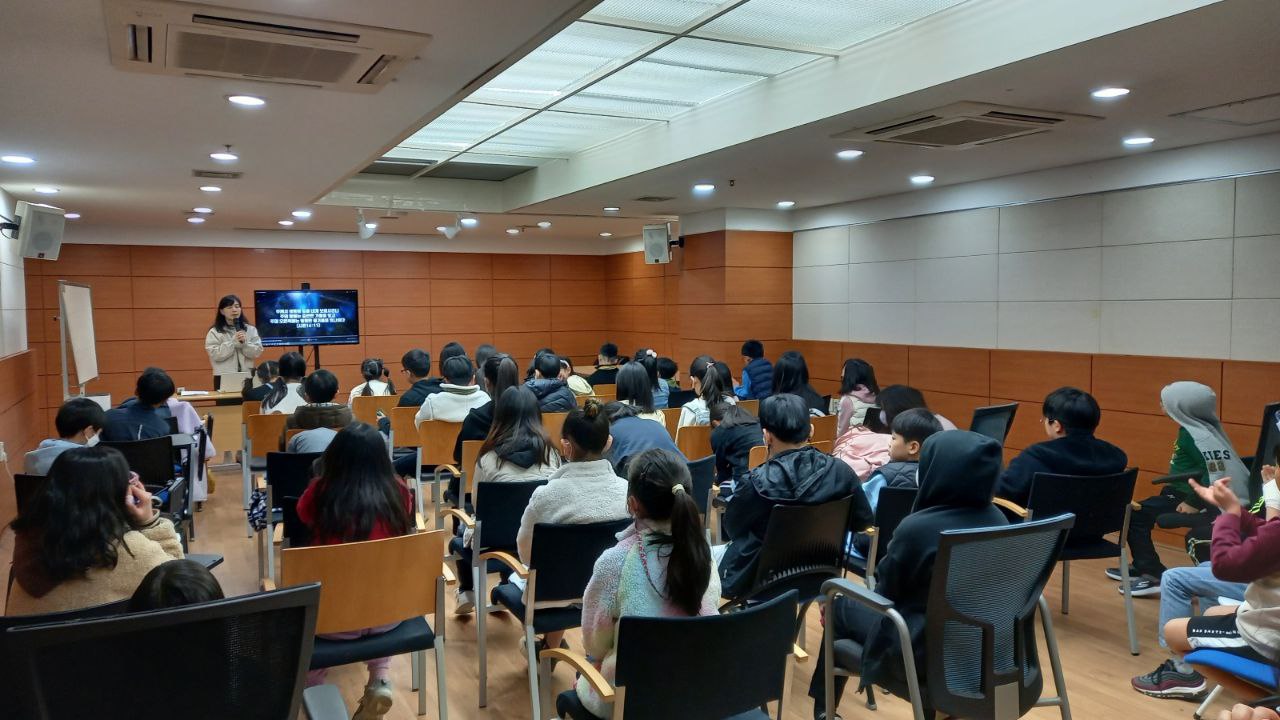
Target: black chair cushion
x: 409, y: 636
x: 1089, y: 549
x: 849, y: 655
x: 569, y: 706
x: 544, y: 621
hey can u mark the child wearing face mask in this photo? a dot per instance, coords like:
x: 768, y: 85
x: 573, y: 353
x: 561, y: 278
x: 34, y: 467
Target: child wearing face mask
x: 79, y: 421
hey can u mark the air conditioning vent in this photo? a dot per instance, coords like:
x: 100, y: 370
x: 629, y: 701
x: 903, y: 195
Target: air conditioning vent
x: 654, y: 199
x: 216, y: 174
x: 177, y: 38
x: 965, y: 125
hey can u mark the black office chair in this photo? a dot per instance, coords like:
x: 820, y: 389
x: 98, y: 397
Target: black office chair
x: 892, y: 507
x: 25, y: 488
x: 644, y: 689
x: 287, y: 477
x: 994, y: 421
x: 702, y: 475
x: 1101, y: 505
x: 562, y: 560
x: 677, y: 398
x: 980, y: 638
x: 152, y: 459
x: 243, y: 658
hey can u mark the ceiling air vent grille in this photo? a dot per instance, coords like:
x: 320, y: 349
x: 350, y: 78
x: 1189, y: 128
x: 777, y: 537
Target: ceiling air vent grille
x: 177, y: 38
x: 216, y: 174
x: 654, y: 199
x: 964, y: 125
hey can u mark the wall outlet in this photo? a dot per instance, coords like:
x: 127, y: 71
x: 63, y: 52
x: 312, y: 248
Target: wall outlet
x: 4, y: 457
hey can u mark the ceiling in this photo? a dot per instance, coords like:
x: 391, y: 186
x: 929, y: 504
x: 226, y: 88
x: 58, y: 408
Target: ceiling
x: 121, y: 146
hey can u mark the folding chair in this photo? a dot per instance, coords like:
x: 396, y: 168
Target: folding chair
x: 562, y: 560
x: 981, y: 658
x: 403, y: 574
x: 994, y: 421
x: 644, y: 689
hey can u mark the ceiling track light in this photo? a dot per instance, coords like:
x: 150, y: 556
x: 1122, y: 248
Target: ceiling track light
x: 364, y: 228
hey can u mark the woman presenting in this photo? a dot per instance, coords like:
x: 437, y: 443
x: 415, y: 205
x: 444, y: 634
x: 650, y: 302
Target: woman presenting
x: 232, y: 343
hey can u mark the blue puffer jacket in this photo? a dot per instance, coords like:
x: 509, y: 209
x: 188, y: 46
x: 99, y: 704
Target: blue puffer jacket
x: 760, y: 372
x: 553, y: 395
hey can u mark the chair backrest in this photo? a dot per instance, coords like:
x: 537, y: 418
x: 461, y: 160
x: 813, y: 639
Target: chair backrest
x: 499, y: 508
x: 763, y: 633
x: 403, y: 426
x: 249, y: 407
x: 289, y: 433
x: 678, y: 398
x: 1098, y: 503
x: 757, y: 456
x: 289, y: 474
x: 671, y: 418
x: 994, y: 421
x: 824, y: 429
x: 893, y: 506
x: 604, y: 399
x: 152, y: 458
x: 437, y: 438
x: 25, y: 488
x: 565, y: 556
x: 370, y: 583
x: 605, y: 389
x: 365, y: 407
x: 822, y: 446
x: 702, y: 474
x: 694, y: 441
x: 981, y: 616
x: 470, y: 455
x: 264, y: 432
x: 553, y: 423
x: 244, y: 658
x: 752, y: 406
x: 1265, y: 453
x: 803, y: 546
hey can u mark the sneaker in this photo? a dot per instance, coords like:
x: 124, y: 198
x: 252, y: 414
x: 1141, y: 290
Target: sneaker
x: 375, y: 702
x: 1114, y: 574
x: 1167, y: 682
x: 1145, y: 586
x: 465, y: 602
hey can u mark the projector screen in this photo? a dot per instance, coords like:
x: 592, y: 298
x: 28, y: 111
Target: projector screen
x: 307, y: 317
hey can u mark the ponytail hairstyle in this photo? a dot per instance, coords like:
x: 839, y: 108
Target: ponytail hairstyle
x: 292, y: 367
x: 858, y: 372
x: 533, y: 364
x: 373, y: 369
x: 659, y: 482
x: 715, y: 386
x: 648, y: 359
x: 266, y: 371
x: 698, y: 368
x: 587, y: 430
x: 500, y: 372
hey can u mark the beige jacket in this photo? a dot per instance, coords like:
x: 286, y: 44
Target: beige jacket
x: 228, y: 356
x: 143, y: 550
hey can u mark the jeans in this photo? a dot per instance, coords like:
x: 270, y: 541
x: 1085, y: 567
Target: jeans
x: 1180, y: 584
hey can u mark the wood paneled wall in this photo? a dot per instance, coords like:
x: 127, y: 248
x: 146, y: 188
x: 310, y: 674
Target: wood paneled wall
x: 153, y: 305
x: 21, y: 426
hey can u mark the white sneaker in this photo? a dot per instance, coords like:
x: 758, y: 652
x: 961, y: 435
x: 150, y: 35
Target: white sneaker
x: 464, y: 602
x: 375, y: 702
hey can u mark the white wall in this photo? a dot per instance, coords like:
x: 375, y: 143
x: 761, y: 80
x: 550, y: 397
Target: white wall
x: 13, y: 289
x: 1187, y: 270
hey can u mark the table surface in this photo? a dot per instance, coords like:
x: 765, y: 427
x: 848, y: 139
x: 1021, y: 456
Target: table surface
x: 211, y: 397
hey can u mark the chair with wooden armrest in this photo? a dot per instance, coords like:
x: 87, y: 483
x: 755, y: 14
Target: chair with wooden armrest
x: 498, y: 508
x: 892, y: 507
x: 262, y: 435
x: 1102, y: 505
x: 436, y: 439
x: 372, y: 583
x: 980, y: 636
x: 644, y: 689
x: 287, y: 477
x: 561, y: 562
x: 694, y: 441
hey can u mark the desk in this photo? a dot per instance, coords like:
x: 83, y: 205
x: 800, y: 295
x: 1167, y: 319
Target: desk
x: 225, y: 409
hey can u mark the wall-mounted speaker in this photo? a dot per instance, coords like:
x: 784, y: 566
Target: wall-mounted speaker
x: 40, y: 230
x: 657, y: 243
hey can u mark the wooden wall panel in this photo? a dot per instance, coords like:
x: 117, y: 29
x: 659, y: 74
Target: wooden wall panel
x: 522, y: 267
x: 461, y: 292
x: 164, y: 262
x: 1247, y: 387
x: 955, y: 407
x: 1148, y: 439
x: 314, y: 265
x: 396, y: 265
x: 889, y: 361
x: 1030, y: 376
x: 250, y: 262
x: 534, y: 294
x: 472, y: 266
x: 578, y: 267
x: 704, y: 250
x: 21, y: 419
x: 959, y: 370
x: 757, y: 249
x: 757, y: 285
x: 1133, y: 383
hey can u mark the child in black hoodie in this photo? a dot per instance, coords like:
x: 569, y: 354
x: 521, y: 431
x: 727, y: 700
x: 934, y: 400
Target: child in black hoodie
x: 958, y: 473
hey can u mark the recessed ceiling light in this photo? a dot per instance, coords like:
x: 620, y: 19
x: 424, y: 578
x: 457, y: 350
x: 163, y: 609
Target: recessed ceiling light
x: 225, y: 155
x: 544, y: 224
x: 285, y: 223
x: 72, y: 216
x: 17, y: 159
x: 612, y: 209
x: 441, y: 228
x: 301, y: 214
x: 513, y: 231
x: 849, y: 154
x: 246, y: 100
x: 45, y: 189
x: 202, y: 210
x: 1138, y: 141
x: 371, y: 226
x: 785, y: 204
x: 606, y: 234
x: 921, y: 179
x: 469, y: 222
x: 210, y: 188
x: 1107, y: 93
x: 195, y: 220
x: 704, y: 188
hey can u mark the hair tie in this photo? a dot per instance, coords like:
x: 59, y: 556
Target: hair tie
x: 677, y: 489
x: 651, y: 353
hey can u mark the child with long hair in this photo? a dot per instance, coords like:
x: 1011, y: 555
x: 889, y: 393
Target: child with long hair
x: 858, y: 391
x: 377, y: 380
x: 714, y: 385
x: 661, y: 566
x: 357, y: 497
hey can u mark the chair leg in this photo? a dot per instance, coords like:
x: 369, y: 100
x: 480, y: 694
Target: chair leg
x: 1128, y: 600
x: 479, y: 580
x: 531, y: 650
x: 442, y: 686
x: 828, y: 670
x: 436, y: 499
x: 414, y: 663
x: 1204, y: 706
x: 1066, y: 586
x: 1055, y: 661
x: 871, y: 698
x: 800, y: 626
x: 417, y: 480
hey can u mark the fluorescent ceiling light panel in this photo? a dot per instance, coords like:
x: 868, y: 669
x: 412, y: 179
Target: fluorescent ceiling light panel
x: 728, y: 57
x: 829, y: 25
x: 669, y: 15
x: 556, y: 134
x: 461, y: 126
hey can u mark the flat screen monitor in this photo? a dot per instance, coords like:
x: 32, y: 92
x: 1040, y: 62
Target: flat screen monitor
x: 307, y: 317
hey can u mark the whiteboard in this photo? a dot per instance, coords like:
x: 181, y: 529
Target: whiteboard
x: 75, y: 303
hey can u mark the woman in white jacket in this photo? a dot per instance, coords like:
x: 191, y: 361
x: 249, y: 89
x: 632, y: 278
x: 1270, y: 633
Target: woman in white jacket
x: 232, y: 343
